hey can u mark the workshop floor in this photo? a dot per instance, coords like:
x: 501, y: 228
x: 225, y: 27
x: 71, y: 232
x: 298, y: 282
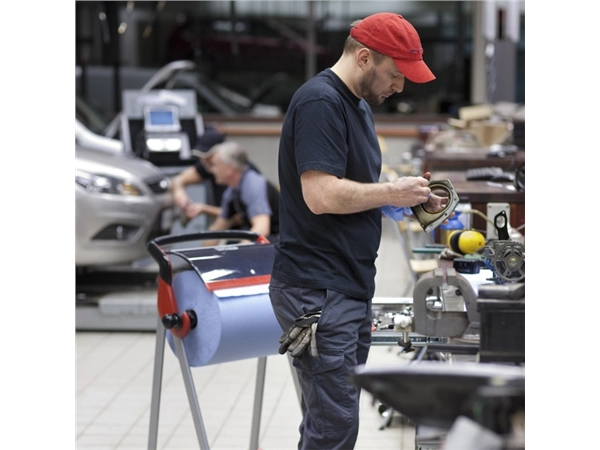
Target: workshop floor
x: 114, y: 390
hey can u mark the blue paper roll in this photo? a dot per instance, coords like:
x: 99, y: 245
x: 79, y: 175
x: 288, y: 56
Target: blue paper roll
x: 229, y: 328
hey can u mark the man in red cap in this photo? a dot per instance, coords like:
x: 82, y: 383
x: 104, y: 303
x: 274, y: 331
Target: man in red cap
x: 323, y: 276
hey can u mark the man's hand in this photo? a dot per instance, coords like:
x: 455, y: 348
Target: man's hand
x: 410, y: 191
x: 181, y: 199
x: 435, y: 203
x: 235, y: 221
x: 192, y: 209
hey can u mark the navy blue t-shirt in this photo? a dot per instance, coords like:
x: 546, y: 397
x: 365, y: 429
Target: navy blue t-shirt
x: 327, y: 128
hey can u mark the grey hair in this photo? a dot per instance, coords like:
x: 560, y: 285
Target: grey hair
x: 232, y: 153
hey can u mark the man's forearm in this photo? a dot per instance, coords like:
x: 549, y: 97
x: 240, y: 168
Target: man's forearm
x: 327, y: 194
x: 332, y: 195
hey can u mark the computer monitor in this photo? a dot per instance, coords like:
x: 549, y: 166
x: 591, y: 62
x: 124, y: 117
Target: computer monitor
x: 162, y: 118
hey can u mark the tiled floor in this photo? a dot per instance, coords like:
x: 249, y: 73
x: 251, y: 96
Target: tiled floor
x: 114, y: 390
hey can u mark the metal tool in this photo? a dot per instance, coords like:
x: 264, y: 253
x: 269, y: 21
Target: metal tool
x: 444, y: 306
x: 506, y: 259
x: 429, y: 220
x: 443, y: 321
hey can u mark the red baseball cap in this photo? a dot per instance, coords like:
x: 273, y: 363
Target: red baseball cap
x: 392, y: 35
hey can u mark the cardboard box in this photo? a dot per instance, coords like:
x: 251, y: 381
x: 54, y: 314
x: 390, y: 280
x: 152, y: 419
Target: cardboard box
x: 476, y: 119
x: 490, y: 133
x: 475, y: 112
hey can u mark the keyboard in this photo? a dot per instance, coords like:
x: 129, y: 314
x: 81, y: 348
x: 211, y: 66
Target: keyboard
x: 489, y: 173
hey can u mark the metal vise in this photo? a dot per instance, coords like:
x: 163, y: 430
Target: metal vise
x: 448, y: 318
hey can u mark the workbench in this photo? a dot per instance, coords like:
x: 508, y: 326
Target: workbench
x: 479, y: 193
x: 463, y: 159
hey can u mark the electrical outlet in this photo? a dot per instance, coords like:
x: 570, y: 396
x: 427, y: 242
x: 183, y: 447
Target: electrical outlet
x: 492, y: 210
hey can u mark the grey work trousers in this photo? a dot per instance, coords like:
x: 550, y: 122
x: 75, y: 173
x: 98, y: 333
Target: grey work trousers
x: 330, y: 400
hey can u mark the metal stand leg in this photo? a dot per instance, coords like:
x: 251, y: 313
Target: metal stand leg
x: 191, y: 393
x: 421, y: 354
x: 159, y: 355
x: 258, y: 399
x: 387, y: 418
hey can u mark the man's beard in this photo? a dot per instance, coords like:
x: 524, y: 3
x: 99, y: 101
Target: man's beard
x: 365, y: 85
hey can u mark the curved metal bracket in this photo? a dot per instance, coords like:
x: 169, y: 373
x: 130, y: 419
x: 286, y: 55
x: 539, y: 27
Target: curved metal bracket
x: 430, y: 220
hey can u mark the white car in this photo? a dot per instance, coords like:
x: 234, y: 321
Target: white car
x: 121, y: 202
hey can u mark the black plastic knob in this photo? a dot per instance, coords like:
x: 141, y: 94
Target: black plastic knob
x: 193, y: 318
x: 171, y: 321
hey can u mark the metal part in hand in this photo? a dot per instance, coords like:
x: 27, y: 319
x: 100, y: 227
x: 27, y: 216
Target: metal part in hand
x: 429, y: 220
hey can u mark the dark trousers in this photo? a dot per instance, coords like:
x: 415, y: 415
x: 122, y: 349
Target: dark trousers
x: 330, y: 400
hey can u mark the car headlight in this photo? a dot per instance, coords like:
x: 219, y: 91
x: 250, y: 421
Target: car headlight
x: 104, y: 184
